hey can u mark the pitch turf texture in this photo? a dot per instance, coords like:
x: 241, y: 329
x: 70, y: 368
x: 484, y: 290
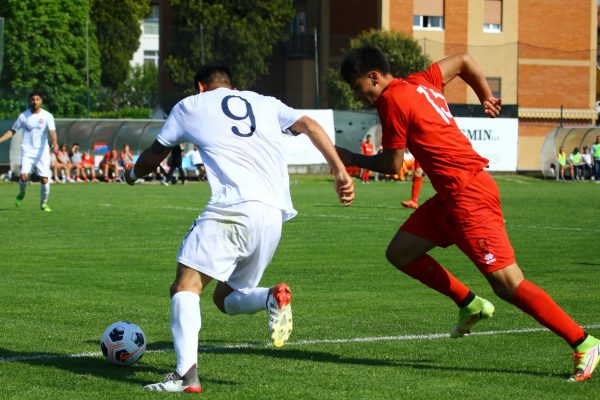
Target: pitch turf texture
x: 106, y: 253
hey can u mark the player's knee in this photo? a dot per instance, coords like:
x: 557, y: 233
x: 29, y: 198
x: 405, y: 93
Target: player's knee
x: 395, y: 256
x: 221, y: 292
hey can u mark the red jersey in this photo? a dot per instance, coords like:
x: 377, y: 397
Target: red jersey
x: 367, y: 148
x: 414, y: 113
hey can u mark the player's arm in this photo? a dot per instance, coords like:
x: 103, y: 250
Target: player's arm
x: 465, y: 67
x: 7, y: 135
x: 389, y: 161
x: 54, y: 139
x: 147, y: 162
x: 343, y: 181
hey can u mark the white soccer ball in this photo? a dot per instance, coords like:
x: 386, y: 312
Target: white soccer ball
x: 123, y: 343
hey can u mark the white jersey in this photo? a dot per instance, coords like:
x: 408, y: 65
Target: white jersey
x: 240, y: 138
x: 35, y: 131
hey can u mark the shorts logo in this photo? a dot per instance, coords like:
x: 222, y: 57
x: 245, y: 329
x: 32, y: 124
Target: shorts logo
x: 489, y: 258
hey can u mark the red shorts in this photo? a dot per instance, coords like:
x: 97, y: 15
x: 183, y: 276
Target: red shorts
x: 472, y: 220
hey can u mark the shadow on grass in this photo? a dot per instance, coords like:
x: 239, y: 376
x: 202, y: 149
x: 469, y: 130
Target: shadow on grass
x: 79, y: 365
x: 91, y: 365
x: 581, y: 263
x: 327, y: 357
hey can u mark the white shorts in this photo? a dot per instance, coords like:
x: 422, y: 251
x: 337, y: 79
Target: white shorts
x: 233, y: 244
x: 38, y: 162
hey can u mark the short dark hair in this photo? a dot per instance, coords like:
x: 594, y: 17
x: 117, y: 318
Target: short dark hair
x: 213, y: 73
x: 36, y: 93
x: 359, y: 61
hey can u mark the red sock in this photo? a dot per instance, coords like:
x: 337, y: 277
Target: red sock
x: 365, y: 175
x: 533, y: 300
x: 432, y: 274
x: 416, y: 188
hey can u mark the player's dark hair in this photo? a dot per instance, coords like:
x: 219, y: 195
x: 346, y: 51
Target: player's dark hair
x: 211, y: 73
x: 36, y: 93
x: 359, y: 61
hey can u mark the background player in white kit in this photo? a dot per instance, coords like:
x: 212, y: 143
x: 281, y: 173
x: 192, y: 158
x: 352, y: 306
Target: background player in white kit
x: 239, y: 135
x: 35, y: 152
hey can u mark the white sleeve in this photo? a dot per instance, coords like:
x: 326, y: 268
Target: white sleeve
x: 17, y: 125
x: 173, y: 130
x: 287, y: 115
x: 51, y: 125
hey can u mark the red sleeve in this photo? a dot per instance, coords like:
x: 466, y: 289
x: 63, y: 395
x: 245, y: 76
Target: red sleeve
x: 394, y: 123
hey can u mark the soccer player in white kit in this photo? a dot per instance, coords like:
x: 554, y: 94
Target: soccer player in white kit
x: 36, y: 123
x: 240, y: 137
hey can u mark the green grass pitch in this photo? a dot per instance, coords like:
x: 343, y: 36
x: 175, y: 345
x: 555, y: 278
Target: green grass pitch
x: 362, y: 329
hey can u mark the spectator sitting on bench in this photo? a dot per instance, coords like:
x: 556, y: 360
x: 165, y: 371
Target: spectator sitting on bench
x: 126, y: 157
x: 87, y: 164
x: 110, y: 166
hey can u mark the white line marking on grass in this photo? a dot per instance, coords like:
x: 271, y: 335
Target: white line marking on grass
x: 557, y: 228
x: 354, y: 217
x: 398, y: 220
x: 161, y: 207
x: 429, y: 336
x: 358, y: 217
x: 509, y: 179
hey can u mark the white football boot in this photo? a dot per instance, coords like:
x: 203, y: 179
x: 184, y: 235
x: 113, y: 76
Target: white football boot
x: 175, y: 383
x: 279, y: 308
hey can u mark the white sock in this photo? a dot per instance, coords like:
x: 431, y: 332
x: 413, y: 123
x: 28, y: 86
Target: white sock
x: 185, y: 325
x: 246, y: 303
x: 44, y: 192
x: 22, y: 186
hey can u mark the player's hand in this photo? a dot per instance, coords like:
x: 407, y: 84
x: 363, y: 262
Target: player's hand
x: 492, y: 106
x: 344, y: 186
x: 344, y: 155
x: 128, y: 179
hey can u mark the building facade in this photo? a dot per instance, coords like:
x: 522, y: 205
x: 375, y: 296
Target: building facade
x: 539, y: 56
x: 147, y: 53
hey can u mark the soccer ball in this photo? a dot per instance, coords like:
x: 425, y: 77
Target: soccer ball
x: 123, y: 343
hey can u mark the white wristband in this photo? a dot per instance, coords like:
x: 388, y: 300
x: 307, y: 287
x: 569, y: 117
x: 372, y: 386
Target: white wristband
x: 132, y: 175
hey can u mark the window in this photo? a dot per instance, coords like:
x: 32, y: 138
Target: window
x: 428, y: 14
x: 150, y: 25
x: 425, y: 22
x: 496, y: 86
x: 492, y: 16
x: 151, y: 57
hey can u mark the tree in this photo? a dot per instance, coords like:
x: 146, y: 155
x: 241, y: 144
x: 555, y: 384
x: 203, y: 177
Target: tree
x: 45, y: 50
x: 240, y: 33
x: 405, y: 56
x: 118, y: 28
x: 140, y: 90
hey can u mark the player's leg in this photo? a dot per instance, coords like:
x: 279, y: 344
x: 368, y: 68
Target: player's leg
x: 417, y: 183
x: 408, y: 253
x: 185, y: 327
x: 365, y: 175
x: 427, y: 227
x: 42, y: 168
x: 510, y: 285
x: 240, y: 293
x: 44, y: 194
x: 27, y: 165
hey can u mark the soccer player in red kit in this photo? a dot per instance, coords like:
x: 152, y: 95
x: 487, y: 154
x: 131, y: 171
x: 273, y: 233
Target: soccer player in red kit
x: 367, y: 149
x: 466, y: 208
x: 417, y: 183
